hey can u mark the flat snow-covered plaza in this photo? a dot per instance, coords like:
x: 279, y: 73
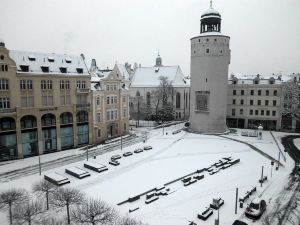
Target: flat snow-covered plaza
x: 174, y: 156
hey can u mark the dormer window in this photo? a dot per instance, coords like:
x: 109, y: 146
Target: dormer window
x: 156, y: 70
x: 31, y: 58
x: 45, y: 69
x: 68, y: 60
x: 50, y: 59
x: 63, y: 69
x: 79, y: 70
x: 24, y: 68
x: 272, y: 80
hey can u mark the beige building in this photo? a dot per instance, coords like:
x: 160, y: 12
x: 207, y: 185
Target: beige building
x: 110, y: 103
x: 254, y: 100
x: 44, y: 103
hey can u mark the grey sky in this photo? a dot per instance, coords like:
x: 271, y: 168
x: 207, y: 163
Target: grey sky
x: 265, y: 34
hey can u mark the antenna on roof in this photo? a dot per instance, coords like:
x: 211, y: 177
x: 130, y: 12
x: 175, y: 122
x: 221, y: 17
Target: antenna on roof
x: 211, y: 3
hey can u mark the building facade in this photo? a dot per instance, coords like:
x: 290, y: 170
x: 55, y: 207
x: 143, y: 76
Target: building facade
x: 145, y: 86
x: 210, y: 58
x: 44, y: 103
x: 254, y: 100
x: 110, y: 104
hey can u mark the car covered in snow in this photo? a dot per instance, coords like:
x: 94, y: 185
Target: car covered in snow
x: 238, y: 222
x: 148, y: 147
x: 139, y: 150
x: 127, y: 154
x: 115, y: 157
x: 256, y: 208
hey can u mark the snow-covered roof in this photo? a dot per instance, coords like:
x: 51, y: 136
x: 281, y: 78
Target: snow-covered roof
x: 249, y: 79
x: 149, y: 76
x: 74, y: 65
x: 210, y: 34
x: 211, y: 11
x: 123, y: 73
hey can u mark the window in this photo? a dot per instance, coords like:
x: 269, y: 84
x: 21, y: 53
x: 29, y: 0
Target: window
x: 256, y: 112
x: 50, y: 59
x: 47, y: 100
x: 49, y: 84
x: 258, y: 102
x: 27, y: 101
x: 268, y: 112
x: 107, y: 87
x: 207, y: 50
x: 241, y: 111
x: 98, y: 132
x: 251, y: 102
x: 259, y: 92
x: 79, y: 70
x: 274, y: 102
x: 99, y: 119
x: 31, y: 58
x: 98, y: 102
x: 62, y: 84
x: 266, y: 102
x: 29, y: 84
x: 177, y: 100
x: 82, y: 99
x: 3, y: 84
x: 233, y: 112
x: 267, y: 92
x: 124, y: 98
x: 2, y: 56
x: 81, y: 84
x: 68, y: 60
x: 63, y: 69
x: 115, y: 99
x: 275, y: 93
x: 242, y: 92
x: 24, y: 68
x: 45, y: 69
x: 65, y: 100
x: 4, y: 103
x: 107, y: 100
x: 252, y: 92
x: 262, y: 112
x: 234, y: 92
x: 67, y: 84
x: 202, y: 100
x: 273, y: 113
x: 233, y: 101
x: 251, y: 112
x: 125, y: 113
x: 242, y: 101
x: 43, y: 85
x: 22, y: 84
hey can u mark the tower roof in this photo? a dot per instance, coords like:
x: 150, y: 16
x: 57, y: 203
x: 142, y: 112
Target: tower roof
x: 211, y: 12
x: 2, y: 43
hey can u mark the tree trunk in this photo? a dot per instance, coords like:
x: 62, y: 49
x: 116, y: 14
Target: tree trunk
x: 68, y: 213
x: 47, y: 200
x: 29, y: 222
x: 10, y: 214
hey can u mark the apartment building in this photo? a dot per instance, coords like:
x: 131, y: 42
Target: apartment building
x: 254, y: 100
x: 110, y: 103
x: 44, y: 103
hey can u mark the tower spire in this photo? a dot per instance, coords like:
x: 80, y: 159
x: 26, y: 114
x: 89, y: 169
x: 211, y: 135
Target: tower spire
x: 211, y: 2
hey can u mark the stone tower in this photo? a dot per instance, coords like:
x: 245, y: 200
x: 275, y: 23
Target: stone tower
x: 158, y: 61
x: 210, y: 58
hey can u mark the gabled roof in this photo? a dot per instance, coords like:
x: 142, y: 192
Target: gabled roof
x: 149, y: 76
x: 122, y: 71
x: 74, y: 65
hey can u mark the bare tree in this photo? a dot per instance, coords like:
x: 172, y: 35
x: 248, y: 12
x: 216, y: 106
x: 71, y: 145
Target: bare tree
x: 94, y: 211
x: 44, y: 188
x: 10, y: 198
x: 65, y: 197
x: 27, y: 212
x: 129, y: 221
x: 291, y: 102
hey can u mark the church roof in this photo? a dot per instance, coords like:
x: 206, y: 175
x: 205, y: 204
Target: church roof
x: 74, y: 65
x: 149, y: 76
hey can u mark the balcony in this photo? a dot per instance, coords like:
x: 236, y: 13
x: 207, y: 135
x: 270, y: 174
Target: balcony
x: 83, y: 106
x: 8, y: 111
x: 82, y: 90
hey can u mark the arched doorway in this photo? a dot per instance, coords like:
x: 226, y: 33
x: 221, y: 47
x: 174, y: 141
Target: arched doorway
x: 66, y: 130
x: 8, y: 139
x: 49, y: 132
x: 29, y: 136
x: 82, y: 128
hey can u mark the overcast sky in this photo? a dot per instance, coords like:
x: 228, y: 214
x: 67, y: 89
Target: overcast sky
x: 265, y: 34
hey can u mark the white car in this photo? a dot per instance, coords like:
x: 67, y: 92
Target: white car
x: 256, y: 208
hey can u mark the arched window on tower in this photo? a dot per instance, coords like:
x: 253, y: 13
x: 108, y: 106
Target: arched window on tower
x: 148, y: 99
x: 178, y: 100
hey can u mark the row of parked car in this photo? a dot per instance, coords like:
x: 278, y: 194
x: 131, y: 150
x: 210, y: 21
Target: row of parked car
x: 114, y: 158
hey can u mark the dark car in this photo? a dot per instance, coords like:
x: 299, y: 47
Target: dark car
x: 238, y: 222
x: 139, y: 150
x: 256, y: 208
x: 148, y: 147
x: 114, y: 163
x: 127, y: 154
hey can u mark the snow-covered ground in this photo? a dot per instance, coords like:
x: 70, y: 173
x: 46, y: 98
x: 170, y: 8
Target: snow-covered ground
x: 297, y: 142
x: 172, y: 157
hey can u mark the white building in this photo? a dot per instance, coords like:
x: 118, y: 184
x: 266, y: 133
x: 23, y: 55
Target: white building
x: 210, y: 58
x: 145, y: 83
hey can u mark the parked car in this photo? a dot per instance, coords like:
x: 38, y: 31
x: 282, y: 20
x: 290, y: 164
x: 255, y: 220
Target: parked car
x: 256, y: 208
x: 127, y: 154
x: 176, y: 131
x: 114, y: 163
x: 139, y: 150
x: 238, y: 222
x: 148, y: 147
x: 115, y: 157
